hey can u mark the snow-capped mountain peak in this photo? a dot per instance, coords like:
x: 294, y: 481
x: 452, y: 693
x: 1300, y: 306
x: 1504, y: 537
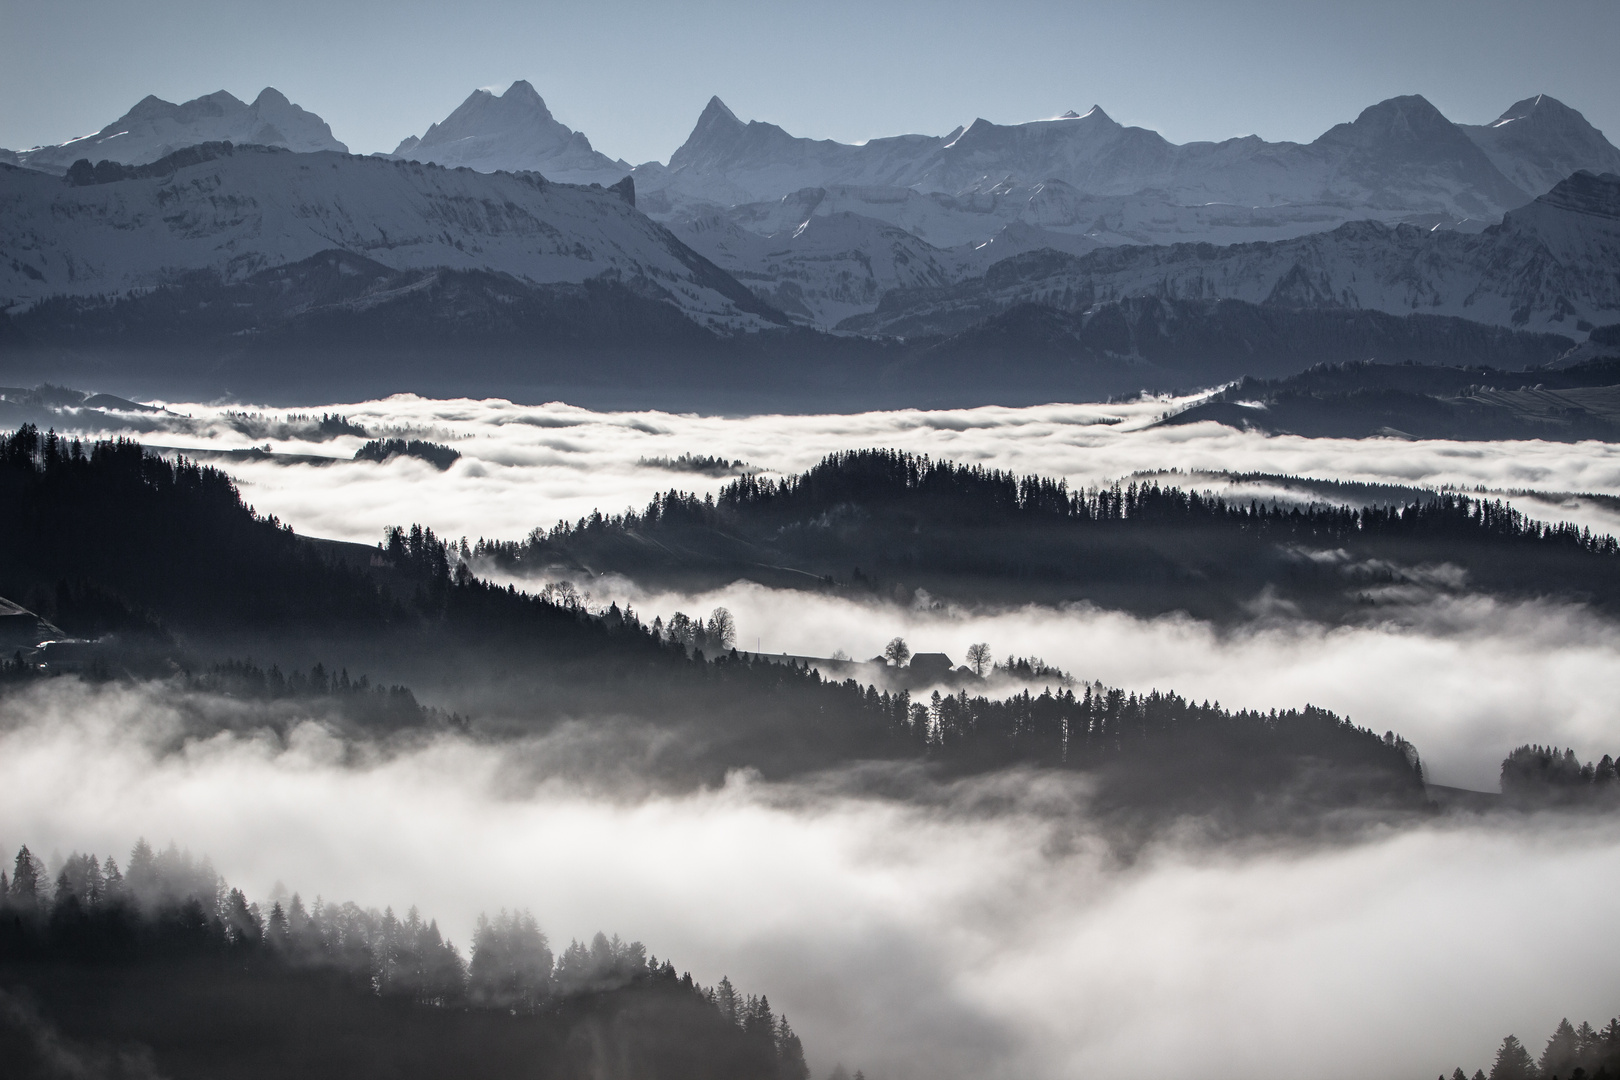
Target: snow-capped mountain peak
x: 230, y: 212
x: 512, y: 132
x: 1539, y: 141
x: 155, y: 128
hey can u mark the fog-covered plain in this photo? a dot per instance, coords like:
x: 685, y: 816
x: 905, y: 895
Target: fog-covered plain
x: 908, y: 942
x: 932, y: 941
x: 524, y: 466
x: 1464, y: 677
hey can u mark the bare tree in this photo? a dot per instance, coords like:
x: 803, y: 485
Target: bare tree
x: 897, y: 652
x: 722, y: 629
x: 978, y: 657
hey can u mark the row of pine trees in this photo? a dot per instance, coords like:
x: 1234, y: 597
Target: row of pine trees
x: 166, y: 903
x: 1571, y: 1053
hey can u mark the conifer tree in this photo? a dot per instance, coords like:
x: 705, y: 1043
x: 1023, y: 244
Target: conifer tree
x: 1561, y: 1052
x: 1513, y: 1062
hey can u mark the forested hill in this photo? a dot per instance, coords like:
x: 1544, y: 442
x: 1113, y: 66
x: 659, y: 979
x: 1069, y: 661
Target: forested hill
x: 108, y: 538
x: 1362, y: 399
x: 893, y: 522
x: 158, y: 959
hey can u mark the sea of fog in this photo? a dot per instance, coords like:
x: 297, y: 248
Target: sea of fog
x: 942, y: 941
x: 1465, y: 678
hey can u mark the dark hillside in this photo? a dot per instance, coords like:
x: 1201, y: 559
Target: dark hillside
x: 892, y: 522
x: 170, y: 548
x: 1358, y: 400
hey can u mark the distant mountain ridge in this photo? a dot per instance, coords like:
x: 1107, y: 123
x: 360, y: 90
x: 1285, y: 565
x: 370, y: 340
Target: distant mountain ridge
x: 1080, y: 181
x: 234, y: 211
x: 155, y: 128
x: 236, y: 262
x: 1553, y: 265
x: 1401, y: 154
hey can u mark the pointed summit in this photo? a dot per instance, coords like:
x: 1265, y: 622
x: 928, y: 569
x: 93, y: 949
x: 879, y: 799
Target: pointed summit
x: 514, y: 132
x: 716, y: 110
x: 1540, y: 141
x: 715, y: 137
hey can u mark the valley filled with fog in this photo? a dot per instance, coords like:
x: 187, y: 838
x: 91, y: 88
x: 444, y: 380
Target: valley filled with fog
x: 1464, y: 676
x: 985, y: 926
x: 941, y: 941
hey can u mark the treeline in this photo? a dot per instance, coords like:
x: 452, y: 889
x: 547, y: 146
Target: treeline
x: 888, y: 523
x: 116, y: 534
x: 695, y: 463
x: 374, y: 707
x: 170, y: 544
x: 944, y: 493
x: 1543, y: 775
x: 169, y: 913
x: 438, y: 455
x: 1571, y: 1053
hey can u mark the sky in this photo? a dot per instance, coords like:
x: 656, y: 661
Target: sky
x: 634, y: 75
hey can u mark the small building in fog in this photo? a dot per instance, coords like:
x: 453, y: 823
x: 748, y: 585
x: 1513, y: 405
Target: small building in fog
x: 932, y: 666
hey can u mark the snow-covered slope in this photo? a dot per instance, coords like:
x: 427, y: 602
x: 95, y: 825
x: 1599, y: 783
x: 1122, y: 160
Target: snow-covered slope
x: 823, y: 268
x: 155, y: 128
x: 512, y: 133
x: 233, y: 212
x: 1540, y: 140
x: 1553, y: 265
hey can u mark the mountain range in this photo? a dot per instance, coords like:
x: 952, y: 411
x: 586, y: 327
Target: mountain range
x: 230, y: 212
x: 1551, y: 265
x: 1081, y: 181
x: 1399, y: 235
x: 155, y: 128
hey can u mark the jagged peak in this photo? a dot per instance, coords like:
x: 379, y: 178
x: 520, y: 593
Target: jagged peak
x: 716, y: 110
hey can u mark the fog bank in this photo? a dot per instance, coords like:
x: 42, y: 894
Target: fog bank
x: 524, y: 466
x: 1466, y: 678
x: 909, y: 942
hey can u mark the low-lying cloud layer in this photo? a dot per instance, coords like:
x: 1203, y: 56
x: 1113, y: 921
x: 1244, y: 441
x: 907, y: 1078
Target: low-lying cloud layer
x: 524, y: 466
x: 1465, y: 678
x: 910, y: 942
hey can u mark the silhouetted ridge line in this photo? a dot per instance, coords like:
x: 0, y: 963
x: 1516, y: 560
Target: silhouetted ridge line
x: 944, y: 493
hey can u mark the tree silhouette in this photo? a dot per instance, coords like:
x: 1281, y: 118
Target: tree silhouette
x: 721, y: 629
x: 1513, y: 1062
x: 897, y: 652
x: 978, y: 657
x: 1562, y: 1051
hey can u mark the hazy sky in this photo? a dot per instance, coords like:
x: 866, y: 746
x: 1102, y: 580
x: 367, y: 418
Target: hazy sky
x: 633, y: 75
